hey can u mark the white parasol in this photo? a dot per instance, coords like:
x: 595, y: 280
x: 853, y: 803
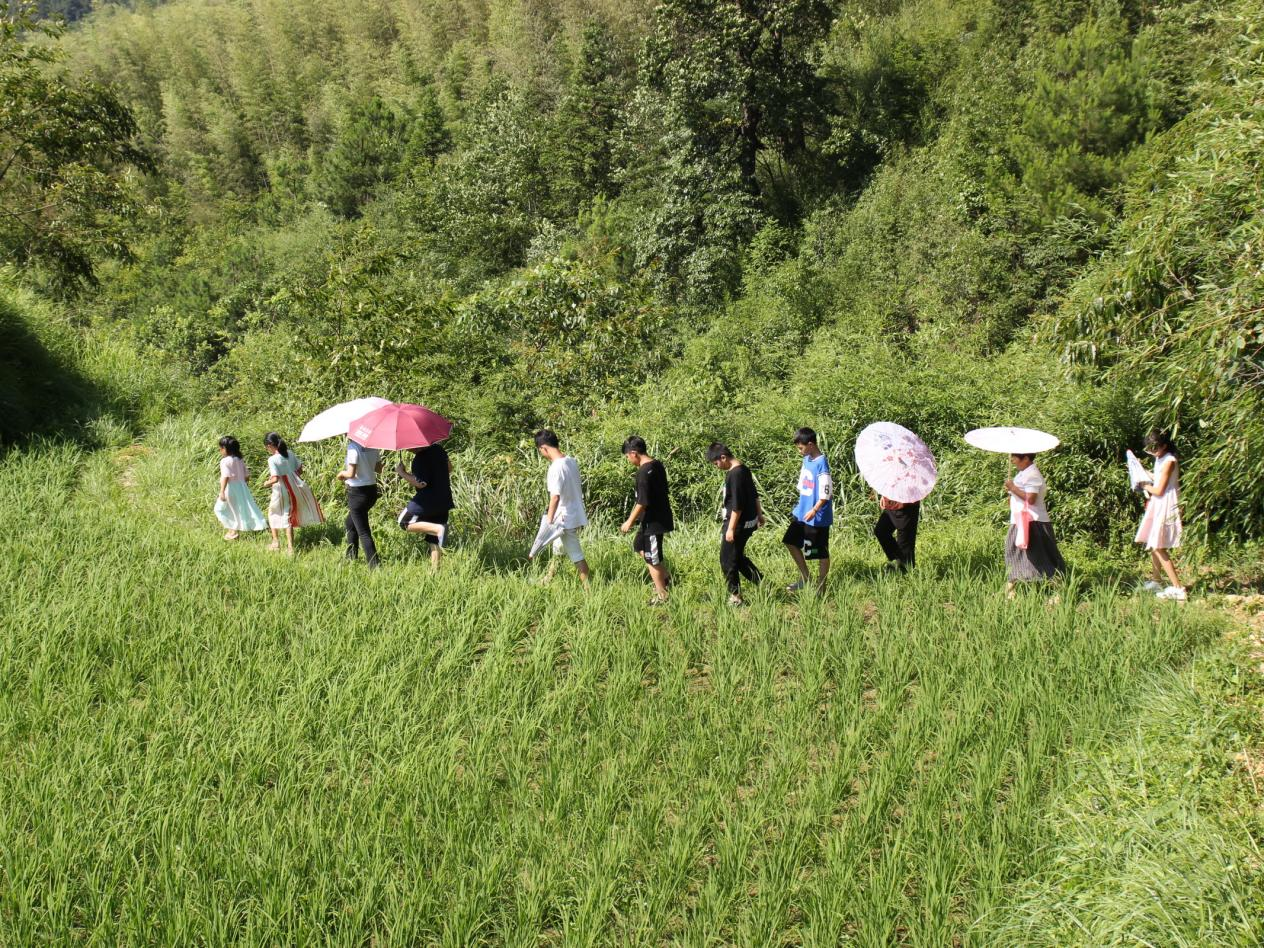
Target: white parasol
x: 895, y: 462
x: 1011, y: 440
x: 333, y: 422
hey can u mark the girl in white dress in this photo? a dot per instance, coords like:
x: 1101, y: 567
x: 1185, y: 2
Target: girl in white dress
x: 292, y: 504
x: 236, y: 507
x: 1160, y: 528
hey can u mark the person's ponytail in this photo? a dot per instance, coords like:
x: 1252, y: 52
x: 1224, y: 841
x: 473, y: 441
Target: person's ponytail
x: 276, y: 441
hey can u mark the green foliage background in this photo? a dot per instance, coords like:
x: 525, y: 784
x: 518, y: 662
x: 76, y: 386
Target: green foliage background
x: 699, y: 219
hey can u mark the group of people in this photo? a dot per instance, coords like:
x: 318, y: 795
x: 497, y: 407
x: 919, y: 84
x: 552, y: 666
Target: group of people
x: 1031, y: 550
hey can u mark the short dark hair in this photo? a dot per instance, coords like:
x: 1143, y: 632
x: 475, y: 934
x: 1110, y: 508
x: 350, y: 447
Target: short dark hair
x: 231, y: 445
x: 717, y: 450
x: 635, y: 443
x: 805, y: 436
x: 545, y: 436
x: 1023, y: 454
x: 1158, y: 439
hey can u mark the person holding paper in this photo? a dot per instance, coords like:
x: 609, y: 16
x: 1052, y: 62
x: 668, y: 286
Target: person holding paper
x: 1031, y: 552
x: 1160, y: 528
x: 566, y: 502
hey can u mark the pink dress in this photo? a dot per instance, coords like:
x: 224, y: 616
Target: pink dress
x: 1161, y: 526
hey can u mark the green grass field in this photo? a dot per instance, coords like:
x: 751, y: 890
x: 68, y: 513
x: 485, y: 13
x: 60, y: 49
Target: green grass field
x: 205, y: 742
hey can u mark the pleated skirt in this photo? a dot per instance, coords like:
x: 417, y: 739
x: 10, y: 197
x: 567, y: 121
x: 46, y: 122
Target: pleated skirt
x: 1041, y: 559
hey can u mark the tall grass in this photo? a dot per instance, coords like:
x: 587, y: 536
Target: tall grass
x: 206, y: 742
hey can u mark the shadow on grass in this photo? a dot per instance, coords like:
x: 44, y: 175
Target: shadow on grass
x: 41, y: 395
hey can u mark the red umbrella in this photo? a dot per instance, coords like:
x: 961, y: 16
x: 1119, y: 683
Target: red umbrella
x: 396, y: 427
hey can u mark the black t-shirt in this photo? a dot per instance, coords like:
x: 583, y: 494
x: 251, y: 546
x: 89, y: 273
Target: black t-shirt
x: 651, y: 493
x: 430, y: 465
x: 740, y: 494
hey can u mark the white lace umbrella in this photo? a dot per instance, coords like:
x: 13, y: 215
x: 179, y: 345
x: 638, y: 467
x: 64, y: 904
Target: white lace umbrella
x: 895, y: 462
x: 1011, y: 440
x: 333, y: 422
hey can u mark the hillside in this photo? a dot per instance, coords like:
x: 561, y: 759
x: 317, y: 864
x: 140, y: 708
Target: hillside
x: 557, y: 214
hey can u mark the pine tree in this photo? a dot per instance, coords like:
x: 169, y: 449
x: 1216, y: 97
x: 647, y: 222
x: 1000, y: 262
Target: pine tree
x: 366, y: 153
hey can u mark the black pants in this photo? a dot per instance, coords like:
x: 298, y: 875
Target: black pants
x: 360, y: 501
x: 899, y: 547
x: 734, y: 562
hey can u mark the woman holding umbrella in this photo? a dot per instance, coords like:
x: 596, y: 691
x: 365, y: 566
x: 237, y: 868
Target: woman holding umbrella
x: 405, y: 427
x: 900, y: 468
x: 1031, y: 552
x: 359, y: 476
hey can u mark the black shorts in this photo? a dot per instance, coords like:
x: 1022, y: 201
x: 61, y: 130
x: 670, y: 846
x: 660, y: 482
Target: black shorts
x: 650, y: 546
x: 414, y: 514
x: 813, y: 541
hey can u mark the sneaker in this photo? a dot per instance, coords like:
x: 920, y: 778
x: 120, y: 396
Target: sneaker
x: 656, y: 601
x: 736, y: 601
x: 1151, y: 586
x: 443, y: 536
x: 795, y: 587
x: 1174, y: 593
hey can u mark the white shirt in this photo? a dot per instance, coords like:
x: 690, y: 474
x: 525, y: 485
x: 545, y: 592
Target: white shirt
x: 563, y: 480
x: 1029, y: 481
x: 365, y: 461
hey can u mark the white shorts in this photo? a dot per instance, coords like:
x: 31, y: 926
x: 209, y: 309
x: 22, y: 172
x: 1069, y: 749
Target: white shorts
x: 568, y: 543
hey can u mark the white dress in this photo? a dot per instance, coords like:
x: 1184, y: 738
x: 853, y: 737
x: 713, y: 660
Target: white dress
x: 292, y: 504
x: 238, y: 510
x: 1161, y: 525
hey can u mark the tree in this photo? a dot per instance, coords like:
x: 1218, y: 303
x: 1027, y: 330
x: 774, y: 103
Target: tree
x: 366, y: 153
x: 740, y: 74
x: 587, y: 119
x: 63, y: 143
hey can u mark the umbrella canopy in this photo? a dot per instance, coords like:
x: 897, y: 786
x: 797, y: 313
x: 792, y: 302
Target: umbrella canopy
x: 895, y: 462
x: 333, y: 422
x: 397, y: 427
x: 1011, y: 440
x: 547, y: 533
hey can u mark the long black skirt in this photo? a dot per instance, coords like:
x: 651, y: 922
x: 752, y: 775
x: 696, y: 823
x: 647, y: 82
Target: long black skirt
x: 1041, y: 559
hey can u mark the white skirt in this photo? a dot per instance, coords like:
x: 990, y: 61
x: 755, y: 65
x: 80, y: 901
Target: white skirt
x: 1161, y: 525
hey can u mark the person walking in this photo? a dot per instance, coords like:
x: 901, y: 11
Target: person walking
x: 653, y: 511
x: 742, y: 514
x: 1160, y: 528
x: 292, y: 504
x: 431, y: 506
x: 566, y: 502
x: 1031, y: 552
x: 807, y: 536
x: 896, y: 532
x: 235, y: 507
x: 359, y: 476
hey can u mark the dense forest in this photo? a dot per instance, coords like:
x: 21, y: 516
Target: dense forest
x: 692, y: 219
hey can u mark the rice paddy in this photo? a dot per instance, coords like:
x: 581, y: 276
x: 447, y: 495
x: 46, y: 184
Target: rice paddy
x: 206, y: 742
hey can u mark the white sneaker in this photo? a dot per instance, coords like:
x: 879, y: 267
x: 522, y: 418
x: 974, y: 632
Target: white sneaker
x: 1174, y: 593
x: 795, y: 587
x: 1151, y: 586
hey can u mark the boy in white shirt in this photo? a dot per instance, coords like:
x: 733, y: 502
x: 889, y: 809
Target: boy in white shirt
x: 566, y: 502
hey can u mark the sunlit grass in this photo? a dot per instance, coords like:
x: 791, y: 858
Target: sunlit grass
x: 207, y: 742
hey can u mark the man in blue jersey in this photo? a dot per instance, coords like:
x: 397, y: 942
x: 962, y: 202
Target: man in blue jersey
x: 807, y: 537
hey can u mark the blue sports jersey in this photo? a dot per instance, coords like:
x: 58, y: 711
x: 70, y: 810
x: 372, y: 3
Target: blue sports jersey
x: 815, y: 482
